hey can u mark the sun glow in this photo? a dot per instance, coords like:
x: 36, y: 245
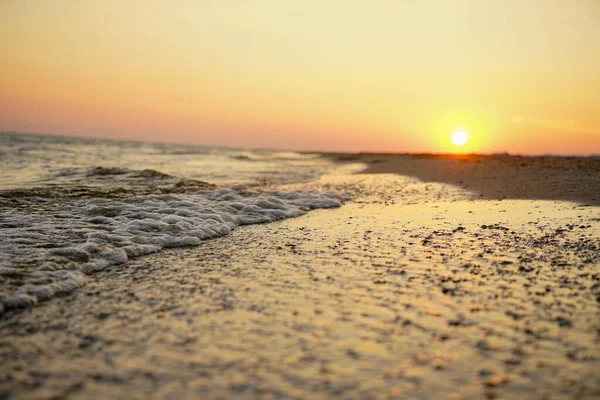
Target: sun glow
x: 460, y: 138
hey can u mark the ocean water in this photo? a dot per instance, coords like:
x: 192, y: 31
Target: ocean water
x: 73, y: 206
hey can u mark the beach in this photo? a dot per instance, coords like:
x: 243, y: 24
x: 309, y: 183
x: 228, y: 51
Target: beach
x: 438, y: 277
x: 499, y: 176
x: 298, y: 200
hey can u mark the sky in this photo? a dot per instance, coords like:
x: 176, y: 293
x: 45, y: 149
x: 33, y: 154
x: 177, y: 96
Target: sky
x: 519, y: 76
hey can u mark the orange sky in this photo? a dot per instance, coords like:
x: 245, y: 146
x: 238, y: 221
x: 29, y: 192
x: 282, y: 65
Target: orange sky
x: 380, y: 75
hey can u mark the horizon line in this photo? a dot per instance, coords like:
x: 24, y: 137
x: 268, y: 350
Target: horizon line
x: 358, y: 152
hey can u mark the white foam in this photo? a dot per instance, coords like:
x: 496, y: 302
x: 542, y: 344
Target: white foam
x: 91, y: 235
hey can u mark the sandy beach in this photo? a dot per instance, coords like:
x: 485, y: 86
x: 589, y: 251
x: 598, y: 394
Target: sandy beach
x: 497, y: 176
x: 443, y: 277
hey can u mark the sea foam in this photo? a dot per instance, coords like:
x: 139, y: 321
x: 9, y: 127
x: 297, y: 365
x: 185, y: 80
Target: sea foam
x: 49, y: 247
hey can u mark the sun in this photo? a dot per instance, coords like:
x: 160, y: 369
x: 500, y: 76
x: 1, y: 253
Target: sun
x: 460, y: 137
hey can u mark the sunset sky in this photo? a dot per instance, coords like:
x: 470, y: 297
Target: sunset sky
x: 521, y: 76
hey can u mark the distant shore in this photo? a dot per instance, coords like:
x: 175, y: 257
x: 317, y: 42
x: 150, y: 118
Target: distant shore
x: 499, y: 176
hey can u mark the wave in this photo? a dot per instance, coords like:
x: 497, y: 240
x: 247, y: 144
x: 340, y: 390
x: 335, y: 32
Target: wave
x: 106, y: 182
x: 146, y: 173
x: 49, y: 245
x: 280, y: 155
x: 115, y: 191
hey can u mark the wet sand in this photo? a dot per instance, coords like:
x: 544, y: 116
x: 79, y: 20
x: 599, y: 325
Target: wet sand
x: 411, y: 290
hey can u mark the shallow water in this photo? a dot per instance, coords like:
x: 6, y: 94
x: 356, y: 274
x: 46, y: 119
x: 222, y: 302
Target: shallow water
x: 28, y: 161
x: 71, y: 206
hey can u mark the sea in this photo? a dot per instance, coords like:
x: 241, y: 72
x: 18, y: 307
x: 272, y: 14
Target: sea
x: 70, y: 207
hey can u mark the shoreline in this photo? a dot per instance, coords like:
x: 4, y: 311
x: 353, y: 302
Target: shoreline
x: 414, y: 289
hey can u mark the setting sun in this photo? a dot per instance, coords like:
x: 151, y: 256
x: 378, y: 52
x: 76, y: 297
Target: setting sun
x: 460, y: 138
